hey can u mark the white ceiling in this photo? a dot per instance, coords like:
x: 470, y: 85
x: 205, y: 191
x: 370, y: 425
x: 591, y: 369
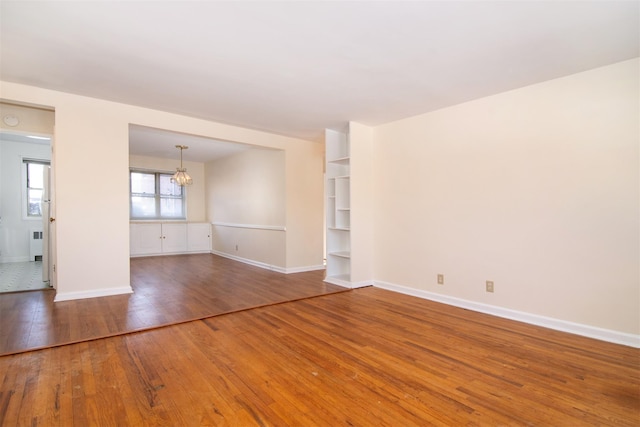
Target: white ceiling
x: 145, y: 141
x: 6, y: 135
x: 295, y: 68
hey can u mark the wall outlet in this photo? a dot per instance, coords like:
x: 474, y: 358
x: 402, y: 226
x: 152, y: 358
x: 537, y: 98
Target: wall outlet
x: 489, y: 286
x: 440, y: 279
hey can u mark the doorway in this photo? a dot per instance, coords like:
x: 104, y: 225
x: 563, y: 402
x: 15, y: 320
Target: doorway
x: 25, y: 156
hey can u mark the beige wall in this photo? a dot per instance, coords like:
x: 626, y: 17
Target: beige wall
x: 275, y: 188
x: 33, y: 120
x: 247, y: 187
x: 536, y: 189
x: 305, y: 206
x: 361, y: 198
x: 91, y: 156
x: 195, y: 192
x: 248, y: 190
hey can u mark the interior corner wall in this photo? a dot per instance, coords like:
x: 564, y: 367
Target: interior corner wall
x: 195, y: 192
x: 536, y: 189
x: 246, y: 191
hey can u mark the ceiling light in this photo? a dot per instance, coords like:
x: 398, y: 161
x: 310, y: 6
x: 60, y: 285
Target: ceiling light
x: 181, y: 177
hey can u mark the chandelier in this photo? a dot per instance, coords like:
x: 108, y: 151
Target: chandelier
x: 181, y: 177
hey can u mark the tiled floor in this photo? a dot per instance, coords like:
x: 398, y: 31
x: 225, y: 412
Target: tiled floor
x: 21, y: 276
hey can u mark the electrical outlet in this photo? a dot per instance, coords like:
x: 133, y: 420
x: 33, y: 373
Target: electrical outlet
x: 489, y: 286
x: 440, y: 279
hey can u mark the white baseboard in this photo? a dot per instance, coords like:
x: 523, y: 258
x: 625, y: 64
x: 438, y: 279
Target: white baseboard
x: 363, y: 284
x: 266, y: 266
x: 251, y: 262
x: 608, y: 335
x: 67, y: 296
x: 347, y: 284
x: 303, y: 269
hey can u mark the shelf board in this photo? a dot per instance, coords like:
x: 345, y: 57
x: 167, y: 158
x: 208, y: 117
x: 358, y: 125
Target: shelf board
x: 339, y: 228
x: 341, y: 254
x: 341, y: 177
x: 343, y: 209
x: 340, y: 161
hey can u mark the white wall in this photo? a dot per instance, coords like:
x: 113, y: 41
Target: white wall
x: 195, y: 192
x: 536, y: 189
x: 247, y: 192
x: 93, y: 238
x: 14, y: 225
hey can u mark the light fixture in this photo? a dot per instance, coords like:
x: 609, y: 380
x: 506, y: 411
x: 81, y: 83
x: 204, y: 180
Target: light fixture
x: 181, y: 177
x: 11, y: 120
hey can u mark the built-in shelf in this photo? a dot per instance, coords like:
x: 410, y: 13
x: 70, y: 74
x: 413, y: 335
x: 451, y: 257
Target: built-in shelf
x: 340, y: 161
x: 338, y: 208
x: 342, y: 254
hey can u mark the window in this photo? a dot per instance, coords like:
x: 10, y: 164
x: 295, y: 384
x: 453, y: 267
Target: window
x: 154, y: 196
x: 35, y: 186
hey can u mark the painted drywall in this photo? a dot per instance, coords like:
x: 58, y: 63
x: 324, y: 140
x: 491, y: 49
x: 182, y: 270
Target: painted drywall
x: 305, y: 206
x: 31, y: 120
x: 247, y: 191
x: 536, y: 189
x: 15, y: 226
x: 195, y: 192
x: 91, y: 156
x: 362, y: 212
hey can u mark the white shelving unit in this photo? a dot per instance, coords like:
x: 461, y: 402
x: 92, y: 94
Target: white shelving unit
x: 338, y: 205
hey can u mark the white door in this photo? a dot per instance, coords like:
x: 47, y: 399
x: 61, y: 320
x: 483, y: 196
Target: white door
x: 45, y: 223
x: 50, y: 218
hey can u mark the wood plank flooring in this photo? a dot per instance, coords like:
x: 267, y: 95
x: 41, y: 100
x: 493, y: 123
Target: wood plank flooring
x: 167, y: 290
x: 359, y: 358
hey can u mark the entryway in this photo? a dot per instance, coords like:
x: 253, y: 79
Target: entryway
x: 25, y: 196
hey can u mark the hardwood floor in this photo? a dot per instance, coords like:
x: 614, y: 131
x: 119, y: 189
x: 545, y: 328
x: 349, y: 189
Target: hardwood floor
x: 170, y: 289
x: 363, y: 357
